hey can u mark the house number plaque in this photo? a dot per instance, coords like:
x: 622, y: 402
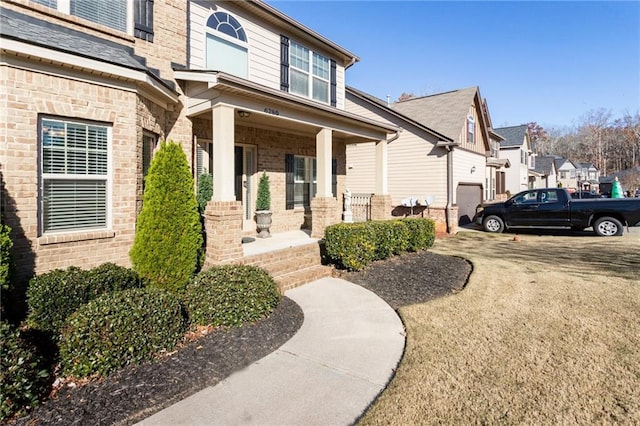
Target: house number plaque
x: 272, y: 111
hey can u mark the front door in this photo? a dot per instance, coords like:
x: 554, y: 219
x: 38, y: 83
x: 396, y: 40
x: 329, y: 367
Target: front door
x: 245, y: 183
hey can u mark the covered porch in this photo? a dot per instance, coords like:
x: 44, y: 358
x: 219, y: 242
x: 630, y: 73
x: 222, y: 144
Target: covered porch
x: 242, y: 129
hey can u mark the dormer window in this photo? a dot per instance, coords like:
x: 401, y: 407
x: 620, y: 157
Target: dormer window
x: 471, y: 129
x: 226, y: 44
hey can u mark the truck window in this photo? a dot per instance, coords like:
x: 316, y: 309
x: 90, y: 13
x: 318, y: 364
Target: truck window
x: 550, y: 196
x: 527, y: 197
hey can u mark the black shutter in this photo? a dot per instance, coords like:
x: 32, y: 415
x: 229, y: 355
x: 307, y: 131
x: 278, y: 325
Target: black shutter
x: 289, y: 188
x: 143, y: 19
x: 334, y: 91
x: 284, y: 63
x: 334, y: 177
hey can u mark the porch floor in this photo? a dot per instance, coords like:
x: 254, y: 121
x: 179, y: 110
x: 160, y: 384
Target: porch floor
x: 253, y: 245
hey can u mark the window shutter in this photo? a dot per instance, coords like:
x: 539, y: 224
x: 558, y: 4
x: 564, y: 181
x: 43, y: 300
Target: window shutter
x: 334, y: 91
x: 143, y: 19
x: 284, y: 65
x: 289, y: 187
x: 334, y: 177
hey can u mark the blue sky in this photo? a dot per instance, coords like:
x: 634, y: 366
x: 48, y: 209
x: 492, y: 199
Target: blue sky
x: 544, y: 61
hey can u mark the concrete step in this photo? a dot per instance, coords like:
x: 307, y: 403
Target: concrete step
x: 302, y: 276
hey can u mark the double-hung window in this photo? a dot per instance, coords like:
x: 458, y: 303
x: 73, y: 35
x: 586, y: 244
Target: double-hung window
x: 309, y: 73
x: 74, y: 175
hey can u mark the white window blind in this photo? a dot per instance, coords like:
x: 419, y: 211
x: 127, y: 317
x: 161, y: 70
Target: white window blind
x: 226, y: 56
x: 112, y: 13
x: 74, y: 175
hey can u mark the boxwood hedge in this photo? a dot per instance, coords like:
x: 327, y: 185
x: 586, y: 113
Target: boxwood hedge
x: 230, y: 295
x: 353, y: 246
x: 53, y: 296
x: 118, y: 329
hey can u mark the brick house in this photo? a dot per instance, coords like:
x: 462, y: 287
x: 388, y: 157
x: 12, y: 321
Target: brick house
x: 88, y: 91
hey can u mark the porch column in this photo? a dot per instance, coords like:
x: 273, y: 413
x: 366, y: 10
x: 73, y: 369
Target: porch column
x: 325, y: 210
x: 223, y: 153
x: 223, y: 214
x: 381, y: 200
x: 323, y: 159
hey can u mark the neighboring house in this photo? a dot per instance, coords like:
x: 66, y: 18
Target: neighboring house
x: 244, y: 88
x: 495, y: 180
x: 546, y: 172
x: 439, y: 157
x: 567, y: 176
x: 516, y: 147
x: 588, y: 176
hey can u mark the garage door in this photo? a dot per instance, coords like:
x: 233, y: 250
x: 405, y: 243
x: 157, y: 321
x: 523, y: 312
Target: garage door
x: 467, y: 197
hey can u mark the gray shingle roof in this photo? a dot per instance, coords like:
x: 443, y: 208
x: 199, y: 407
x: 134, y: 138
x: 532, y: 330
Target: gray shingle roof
x: 544, y: 165
x: 444, y: 112
x: 513, y: 136
x: 14, y: 25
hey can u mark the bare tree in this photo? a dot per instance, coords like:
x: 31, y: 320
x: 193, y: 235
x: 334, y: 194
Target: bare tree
x: 405, y: 97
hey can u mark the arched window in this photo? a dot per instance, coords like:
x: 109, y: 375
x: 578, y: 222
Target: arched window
x: 226, y: 45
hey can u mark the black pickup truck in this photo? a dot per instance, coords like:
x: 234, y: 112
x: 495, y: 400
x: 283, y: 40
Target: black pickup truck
x: 554, y: 208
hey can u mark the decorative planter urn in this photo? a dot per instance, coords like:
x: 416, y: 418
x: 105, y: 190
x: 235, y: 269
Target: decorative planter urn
x: 263, y: 223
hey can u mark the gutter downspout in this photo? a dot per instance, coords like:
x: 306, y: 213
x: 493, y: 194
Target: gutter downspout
x: 396, y: 136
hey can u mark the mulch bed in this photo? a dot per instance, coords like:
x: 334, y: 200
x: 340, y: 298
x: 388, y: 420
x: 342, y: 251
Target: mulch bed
x: 135, y: 393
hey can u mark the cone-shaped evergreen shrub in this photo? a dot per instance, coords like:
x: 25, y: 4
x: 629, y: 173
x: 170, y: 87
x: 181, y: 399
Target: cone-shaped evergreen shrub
x: 205, y: 191
x: 263, y: 201
x: 168, y: 236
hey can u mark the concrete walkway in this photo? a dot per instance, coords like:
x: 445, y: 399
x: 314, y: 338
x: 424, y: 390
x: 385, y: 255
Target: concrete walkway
x: 342, y: 357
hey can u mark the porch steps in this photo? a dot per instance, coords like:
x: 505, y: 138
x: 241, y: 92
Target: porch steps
x: 293, y: 266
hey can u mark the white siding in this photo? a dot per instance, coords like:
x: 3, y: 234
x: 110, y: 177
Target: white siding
x: 463, y: 164
x: 264, y: 45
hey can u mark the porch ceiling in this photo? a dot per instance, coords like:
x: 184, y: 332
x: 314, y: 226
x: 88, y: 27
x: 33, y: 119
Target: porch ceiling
x: 275, y: 109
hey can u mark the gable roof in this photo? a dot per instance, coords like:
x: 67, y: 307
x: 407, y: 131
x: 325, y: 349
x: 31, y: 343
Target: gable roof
x: 379, y: 103
x: 445, y: 112
x: 513, y: 135
x: 561, y: 160
x: 545, y: 165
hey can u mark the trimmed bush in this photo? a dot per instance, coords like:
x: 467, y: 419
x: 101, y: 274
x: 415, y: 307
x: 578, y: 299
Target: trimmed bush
x: 349, y: 245
x: 22, y: 378
x: 353, y: 246
x: 422, y: 233
x: 205, y: 191
x: 119, y: 329
x: 55, y: 295
x: 263, y: 198
x: 168, y: 236
x: 230, y: 295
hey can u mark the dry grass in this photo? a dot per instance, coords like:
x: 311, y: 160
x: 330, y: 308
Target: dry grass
x: 546, y: 332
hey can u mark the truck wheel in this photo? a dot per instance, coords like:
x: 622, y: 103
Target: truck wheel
x: 493, y: 224
x: 607, y: 227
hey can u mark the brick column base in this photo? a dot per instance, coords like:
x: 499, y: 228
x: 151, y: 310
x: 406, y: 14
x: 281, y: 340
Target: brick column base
x: 381, y: 207
x: 223, y: 223
x: 325, y: 211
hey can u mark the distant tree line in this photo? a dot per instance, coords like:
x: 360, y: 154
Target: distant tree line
x: 611, y: 144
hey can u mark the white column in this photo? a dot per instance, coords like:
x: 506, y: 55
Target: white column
x: 223, y: 153
x: 382, y: 173
x: 323, y: 161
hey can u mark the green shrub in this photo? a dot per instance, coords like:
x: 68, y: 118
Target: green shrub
x: 354, y: 245
x: 422, y: 233
x: 263, y: 198
x: 119, y: 329
x: 22, y: 378
x: 5, y: 257
x: 205, y: 191
x: 168, y: 236
x: 349, y: 245
x: 53, y: 296
x: 230, y: 295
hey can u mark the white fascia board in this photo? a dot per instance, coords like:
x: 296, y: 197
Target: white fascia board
x: 139, y: 77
